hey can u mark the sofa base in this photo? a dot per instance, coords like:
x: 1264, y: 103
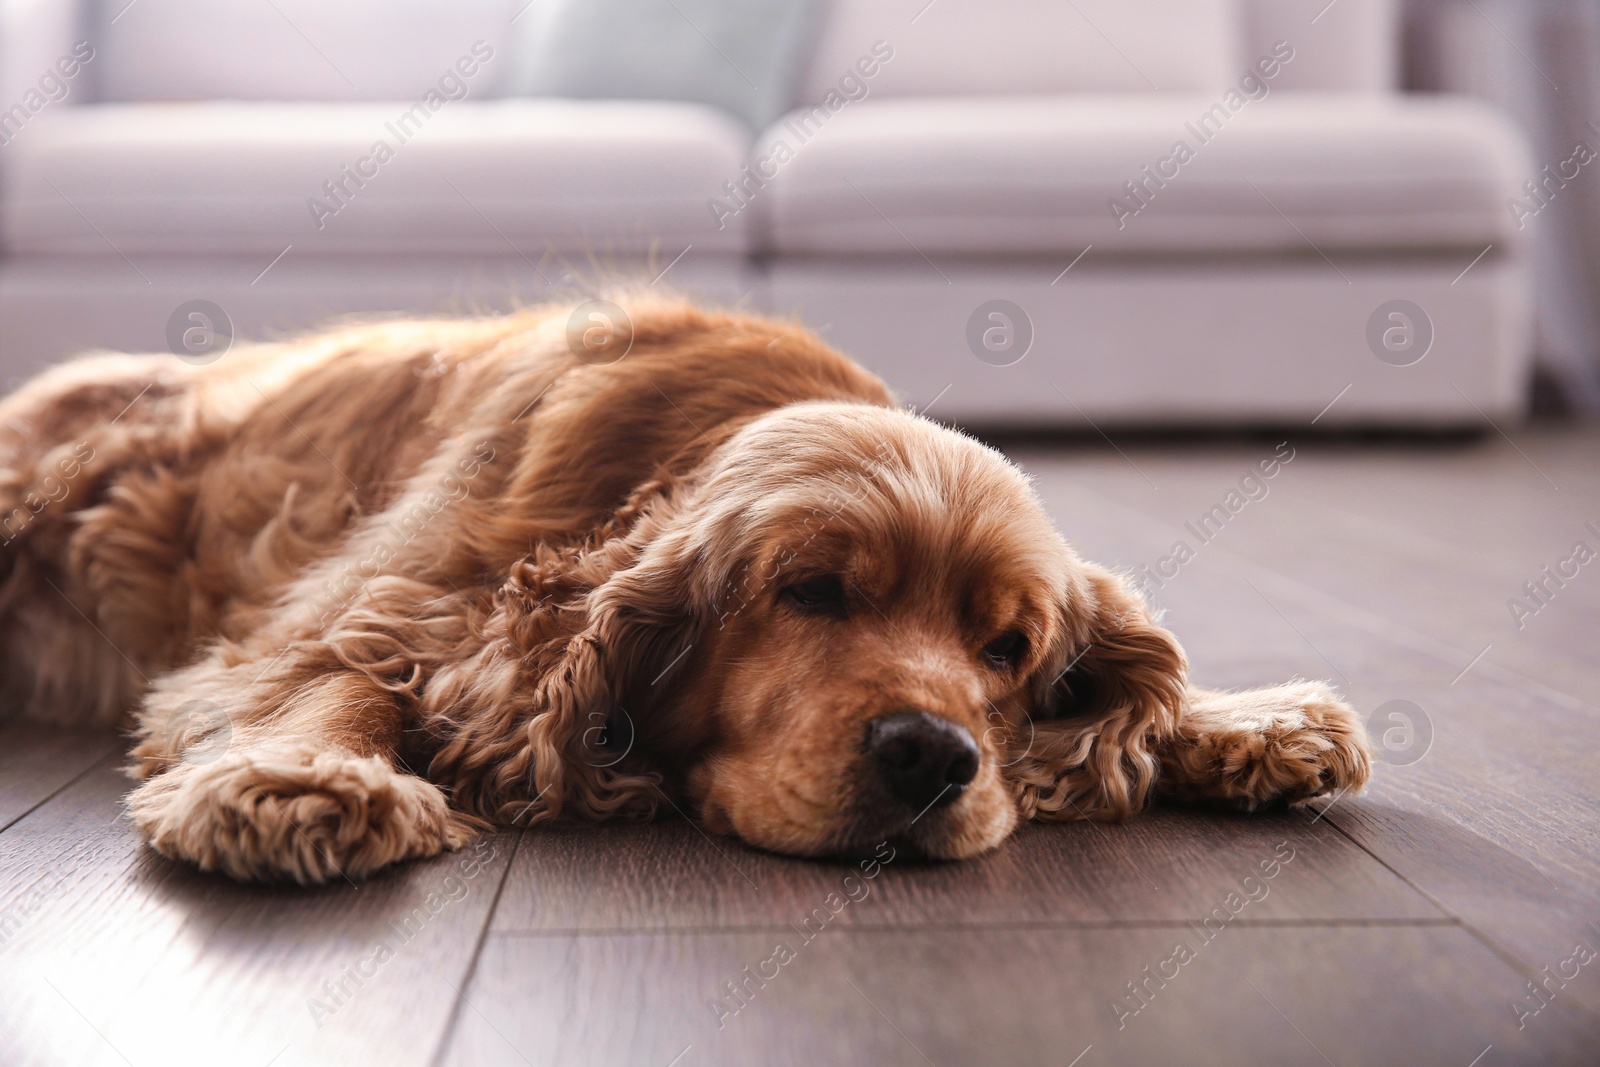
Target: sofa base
x: 1193, y: 344
x: 51, y: 309
x: 1223, y: 343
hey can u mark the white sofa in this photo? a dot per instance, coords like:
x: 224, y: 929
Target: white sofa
x: 971, y: 151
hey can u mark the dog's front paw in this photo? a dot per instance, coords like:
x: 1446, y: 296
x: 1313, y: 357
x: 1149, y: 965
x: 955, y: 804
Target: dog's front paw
x: 1290, y: 744
x: 294, y: 812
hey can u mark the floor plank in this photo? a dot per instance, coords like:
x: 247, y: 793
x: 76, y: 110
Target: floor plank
x: 1500, y: 820
x: 36, y: 761
x: 1405, y: 929
x: 124, y: 957
x: 1166, y: 866
x: 1426, y: 549
x: 1284, y: 996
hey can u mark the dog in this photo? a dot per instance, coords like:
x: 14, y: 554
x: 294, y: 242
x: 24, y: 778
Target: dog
x: 374, y: 591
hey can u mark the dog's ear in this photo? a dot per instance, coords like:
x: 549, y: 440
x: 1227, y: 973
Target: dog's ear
x: 1111, y: 690
x: 541, y: 720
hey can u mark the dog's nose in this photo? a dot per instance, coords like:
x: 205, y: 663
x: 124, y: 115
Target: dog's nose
x: 922, y: 758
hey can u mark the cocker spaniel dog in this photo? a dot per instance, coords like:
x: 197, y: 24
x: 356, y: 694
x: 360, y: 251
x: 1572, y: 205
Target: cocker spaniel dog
x: 372, y: 592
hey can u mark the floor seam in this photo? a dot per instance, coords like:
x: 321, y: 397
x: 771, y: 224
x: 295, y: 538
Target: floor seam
x: 1020, y: 926
x: 1515, y: 962
x: 74, y: 780
x: 447, y: 1034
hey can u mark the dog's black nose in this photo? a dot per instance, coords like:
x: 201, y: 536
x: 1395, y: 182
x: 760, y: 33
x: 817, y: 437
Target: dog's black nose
x: 922, y: 757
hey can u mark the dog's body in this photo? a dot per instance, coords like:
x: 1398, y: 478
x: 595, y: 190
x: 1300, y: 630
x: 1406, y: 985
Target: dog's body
x: 375, y: 590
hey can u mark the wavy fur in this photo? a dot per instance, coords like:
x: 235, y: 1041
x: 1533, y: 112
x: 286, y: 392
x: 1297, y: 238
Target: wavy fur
x: 369, y: 592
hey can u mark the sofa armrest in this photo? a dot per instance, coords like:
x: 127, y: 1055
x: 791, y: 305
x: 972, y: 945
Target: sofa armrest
x: 1352, y: 45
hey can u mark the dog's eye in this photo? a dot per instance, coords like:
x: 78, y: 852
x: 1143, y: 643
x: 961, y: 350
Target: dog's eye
x: 1005, y: 650
x: 817, y: 594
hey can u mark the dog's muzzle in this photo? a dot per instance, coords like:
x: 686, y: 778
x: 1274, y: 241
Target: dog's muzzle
x: 923, y: 759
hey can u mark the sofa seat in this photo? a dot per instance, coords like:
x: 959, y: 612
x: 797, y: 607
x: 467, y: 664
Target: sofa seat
x: 992, y: 177
x: 505, y: 177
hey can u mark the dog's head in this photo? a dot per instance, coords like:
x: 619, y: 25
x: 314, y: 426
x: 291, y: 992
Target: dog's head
x: 854, y: 626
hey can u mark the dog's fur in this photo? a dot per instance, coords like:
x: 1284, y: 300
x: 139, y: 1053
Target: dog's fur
x: 373, y: 591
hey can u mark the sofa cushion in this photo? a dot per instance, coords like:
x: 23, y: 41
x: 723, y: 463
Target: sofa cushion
x: 985, y: 177
x: 473, y: 178
x: 981, y: 47
x: 288, y: 49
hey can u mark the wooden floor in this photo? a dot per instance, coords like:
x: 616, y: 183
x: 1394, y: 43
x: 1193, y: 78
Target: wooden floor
x: 1406, y: 926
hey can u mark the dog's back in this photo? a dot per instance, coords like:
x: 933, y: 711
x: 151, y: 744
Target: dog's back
x: 148, y: 507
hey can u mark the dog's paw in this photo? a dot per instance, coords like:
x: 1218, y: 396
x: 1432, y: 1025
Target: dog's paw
x: 1291, y: 744
x: 294, y: 812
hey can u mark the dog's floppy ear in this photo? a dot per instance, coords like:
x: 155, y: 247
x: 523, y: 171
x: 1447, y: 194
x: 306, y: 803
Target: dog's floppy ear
x: 1110, y: 692
x: 540, y: 721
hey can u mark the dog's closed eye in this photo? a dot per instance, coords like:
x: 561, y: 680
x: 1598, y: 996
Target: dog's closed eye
x: 822, y: 595
x: 1005, y: 651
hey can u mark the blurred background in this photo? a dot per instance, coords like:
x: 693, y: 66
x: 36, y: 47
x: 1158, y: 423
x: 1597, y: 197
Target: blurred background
x: 1092, y: 218
x: 1030, y: 214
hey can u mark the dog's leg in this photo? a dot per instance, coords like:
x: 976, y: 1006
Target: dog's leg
x: 290, y: 777
x: 1290, y: 743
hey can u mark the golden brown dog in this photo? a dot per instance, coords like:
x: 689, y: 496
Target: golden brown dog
x: 372, y: 591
